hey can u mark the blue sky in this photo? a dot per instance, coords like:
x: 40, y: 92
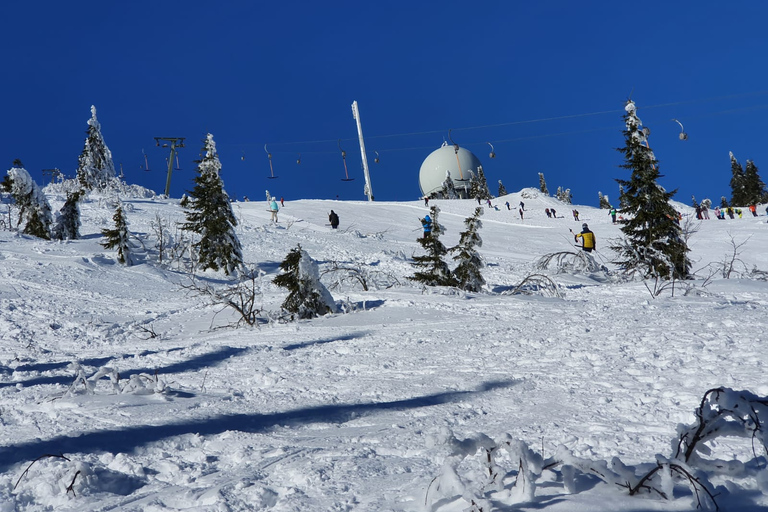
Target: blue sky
x: 545, y: 82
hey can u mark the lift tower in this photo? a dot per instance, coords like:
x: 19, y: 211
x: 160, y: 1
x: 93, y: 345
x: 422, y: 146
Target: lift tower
x: 175, y: 142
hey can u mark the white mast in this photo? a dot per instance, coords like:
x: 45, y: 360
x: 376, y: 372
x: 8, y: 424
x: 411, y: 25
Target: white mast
x: 356, y: 115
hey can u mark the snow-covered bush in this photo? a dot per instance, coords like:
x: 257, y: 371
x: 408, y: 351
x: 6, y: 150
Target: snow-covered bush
x: 307, y: 297
x: 35, y: 217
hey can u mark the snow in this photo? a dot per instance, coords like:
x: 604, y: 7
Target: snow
x: 372, y: 408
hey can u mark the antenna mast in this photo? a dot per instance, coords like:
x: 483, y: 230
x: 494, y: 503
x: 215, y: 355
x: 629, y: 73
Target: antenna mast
x: 176, y: 142
x: 356, y: 115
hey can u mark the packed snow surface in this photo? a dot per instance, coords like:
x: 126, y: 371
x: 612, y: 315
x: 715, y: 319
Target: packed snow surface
x: 358, y: 410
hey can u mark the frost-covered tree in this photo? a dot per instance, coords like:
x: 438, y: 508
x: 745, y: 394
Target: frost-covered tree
x: 482, y: 185
x: 605, y: 203
x: 68, y: 220
x: 753, y: 186
x: 706, y: 203
x: 543, y: 184
x: 738, y: 183
x: 434, y: 270
x: 35, y: 217
x: 502, y: 189
x: 653, y: 240
x: 95, y: 168
x: 449, y: 190
x: 307, y: 297
x: 119, y: 237
x: 467, y: 274
x: 564, y: 195
x: 694, y: 203
x: 209, y: 215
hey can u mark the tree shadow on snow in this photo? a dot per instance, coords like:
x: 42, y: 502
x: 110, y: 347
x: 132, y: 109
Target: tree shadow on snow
x: 198, y: 362
x: 305, y: 344
x: 127, y: 439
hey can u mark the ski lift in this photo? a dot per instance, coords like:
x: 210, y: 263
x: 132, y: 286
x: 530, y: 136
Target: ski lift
x: 177, y: 168
x: 492, y: 154
x: 271, y: 171
x: 146, y: 163
x: 376, y: 160
x: 298, y: 160
x: 242, y: 157
x: 683, y: 135
x: 456, y: 151
x: 344, y: 159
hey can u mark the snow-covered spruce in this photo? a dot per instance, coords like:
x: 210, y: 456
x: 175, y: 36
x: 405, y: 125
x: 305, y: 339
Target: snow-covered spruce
x: 434, y: 270
x: 35, y: 216
x: 307, y: 297
x: 68, y: 219
x: 119, y: 237
x: 467, y: 274
x: 209, y: 215
x: 95, y: 167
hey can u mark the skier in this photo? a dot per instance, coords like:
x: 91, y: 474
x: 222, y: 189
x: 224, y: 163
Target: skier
x: 522, y: 205
x: 753, y: 209
x: 334, y: 219
x: 282, y: 203
x: 426, y: 201
x: 554, y: 213
x: 426, y: 222
x: 507, y: 203
x: 274, y: 209
x: 613, y: 215
x: 549, y: 213
x: 587, y: 238
x: 576, y: 215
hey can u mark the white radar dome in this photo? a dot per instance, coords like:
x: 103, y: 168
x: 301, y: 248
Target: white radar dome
x: 447, y: 158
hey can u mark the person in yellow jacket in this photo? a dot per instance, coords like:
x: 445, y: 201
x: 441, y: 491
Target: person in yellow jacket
x: 587, y: 238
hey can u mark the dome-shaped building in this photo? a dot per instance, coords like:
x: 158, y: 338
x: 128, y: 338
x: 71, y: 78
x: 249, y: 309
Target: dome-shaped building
x: 447, y: 158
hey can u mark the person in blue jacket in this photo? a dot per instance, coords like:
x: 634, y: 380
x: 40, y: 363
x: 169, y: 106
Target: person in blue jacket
x: 426, y: 222
x: 274, y: 209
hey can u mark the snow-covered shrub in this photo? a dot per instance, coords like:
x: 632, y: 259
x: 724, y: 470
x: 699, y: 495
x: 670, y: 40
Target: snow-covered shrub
x: 568, y: 262
x: 35, y: 217
x: 68, y: 219
x: 307, y: 297
x: 119, y: 237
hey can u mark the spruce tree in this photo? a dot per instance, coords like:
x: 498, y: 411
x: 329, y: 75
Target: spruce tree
x: 474, y: 186
x: 564, y: 195
x: 209, y: 215
x: 738, y: 183
x: 753, y: 185
x: 307, y: 297
x: 434, y: 270
x: 482, y: 184
x: 95, y: 168
x: 543, y: 184
x: 449, y: 189
x: 502, y: 189
x: 119, y: 237
x: 68, y: 221
x: 653, y: 244
x: 35, y: 217
x: 468, y: 274
x: 605, y: 203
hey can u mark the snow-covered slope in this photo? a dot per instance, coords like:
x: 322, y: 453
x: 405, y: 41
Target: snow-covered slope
x: 356, y: 411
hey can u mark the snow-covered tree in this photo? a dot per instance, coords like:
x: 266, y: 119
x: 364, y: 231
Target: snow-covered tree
x: 482, y: 185
x: 448, y: 190
x: 467, y: 274
x: 502, y: 189
x: 119, y: 237
x: 434, y: 270
x: 738, y: 183
x: 543, y: 184
x: 754, y: 187
x: 605, y: 203
x: 694, y: 203
x: 564, y: 195
x: 35, y: 217
x: 209, y: 214
x: 653, y: 240
x: 95, y: 167
x: 307, y: 297
x: 68, y: 220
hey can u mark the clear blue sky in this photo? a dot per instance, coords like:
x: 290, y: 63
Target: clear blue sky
x: 545, y: 82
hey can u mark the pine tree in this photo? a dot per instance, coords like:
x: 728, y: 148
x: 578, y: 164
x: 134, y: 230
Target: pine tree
x: 543, y: 184
x: 738, y: 183
x: 753, y: 185
x: 68, y: 221
x: 468, y: 274
x: 653, y: 241
x: 119, y: 237
x: 435, y: 270
x: 95, y: 167
x: 307, y: 296
x: 210, y: 215
x: 605, y: 203
x: 449, y: 189
x: 564, y: 195
x: 502, y: 189
x: 35, y: 217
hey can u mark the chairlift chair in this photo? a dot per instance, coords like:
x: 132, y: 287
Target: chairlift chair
x: 683, y: 135
x: 376, y: 160
x: 146, y: 163
x: 344, y: 159
x: 492, y: 154
x: 271, y: 171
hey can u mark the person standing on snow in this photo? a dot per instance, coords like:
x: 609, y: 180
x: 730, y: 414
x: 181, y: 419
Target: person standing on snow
x: 334, y: 219
x: 426, y: 223
x: 274, y: 209
x: 587, y: 238
x: 613, y: 215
